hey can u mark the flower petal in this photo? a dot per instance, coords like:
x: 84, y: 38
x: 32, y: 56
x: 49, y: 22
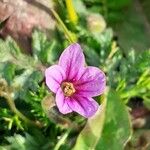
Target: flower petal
x: 72, y: 61
x: 54, y: 76
x: 62, y: 102
x: 86, y: 107
x: 92, y: 82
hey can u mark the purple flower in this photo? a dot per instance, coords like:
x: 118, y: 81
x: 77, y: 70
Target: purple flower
x: 75, y: 84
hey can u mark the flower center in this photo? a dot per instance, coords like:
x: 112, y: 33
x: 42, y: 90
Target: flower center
x: 68, y: 88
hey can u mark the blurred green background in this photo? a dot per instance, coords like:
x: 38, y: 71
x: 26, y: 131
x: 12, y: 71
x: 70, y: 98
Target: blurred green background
x: 114, y: 35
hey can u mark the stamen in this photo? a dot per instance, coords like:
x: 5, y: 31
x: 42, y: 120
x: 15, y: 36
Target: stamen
x: 68, y: 88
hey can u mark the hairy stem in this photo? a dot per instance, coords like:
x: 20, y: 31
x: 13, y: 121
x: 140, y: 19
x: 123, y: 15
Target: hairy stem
x: 62, y: 25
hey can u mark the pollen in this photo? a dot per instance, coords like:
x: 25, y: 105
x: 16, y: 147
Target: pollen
x: 68, y: 88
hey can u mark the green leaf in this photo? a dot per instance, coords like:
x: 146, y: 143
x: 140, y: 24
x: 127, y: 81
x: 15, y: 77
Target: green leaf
x: 106, y: 37
x: 89, y: 136
x: 9, y: 72
x: 10, y: 52
x: 8, y: 49
x: 38, y: 41
x: 27, y: 142
x: 105, y: 41
x: 20, y: 80
x: 43, y: 49
x: 143, y: 60
x: 117, y: 127
x: 134, y: 65
x: 90, y: 54
x: 80, y: 7
x: 110, y: 127
x: 4, y: 52
x: 28, y: 80
x: 14, y: 48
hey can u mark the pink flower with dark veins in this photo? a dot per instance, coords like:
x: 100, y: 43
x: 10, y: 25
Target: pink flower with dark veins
x: 75, y: 84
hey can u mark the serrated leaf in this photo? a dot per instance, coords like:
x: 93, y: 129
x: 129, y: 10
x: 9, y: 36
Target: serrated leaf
x: 14, y: 48
x: 4, y: 52
x: 20, y: 80
x: 8, y: 72
x: 17, y: 142
x: 10, y: 52
x: 8, y: 49
x: 27, y: 142
x: 43, y: 49
x: 134, y: 65
x: 143, y: 60
x: 38, y: 40
x: 90, y: 54
x: 29, y: 80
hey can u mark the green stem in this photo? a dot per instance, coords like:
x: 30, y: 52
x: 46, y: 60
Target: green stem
x: 62, y: 140
x: 62, y: 25
x: 12, y: 106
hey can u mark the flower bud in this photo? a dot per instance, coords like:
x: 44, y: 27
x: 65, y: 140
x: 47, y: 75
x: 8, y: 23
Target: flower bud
x: 96, y: 23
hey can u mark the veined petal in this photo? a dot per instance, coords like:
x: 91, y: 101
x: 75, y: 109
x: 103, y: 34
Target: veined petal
x: 54, y: 76
x: 92, y: 82
x: 62, y: 102
x: 86, y: 107
x: 72, y: 61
